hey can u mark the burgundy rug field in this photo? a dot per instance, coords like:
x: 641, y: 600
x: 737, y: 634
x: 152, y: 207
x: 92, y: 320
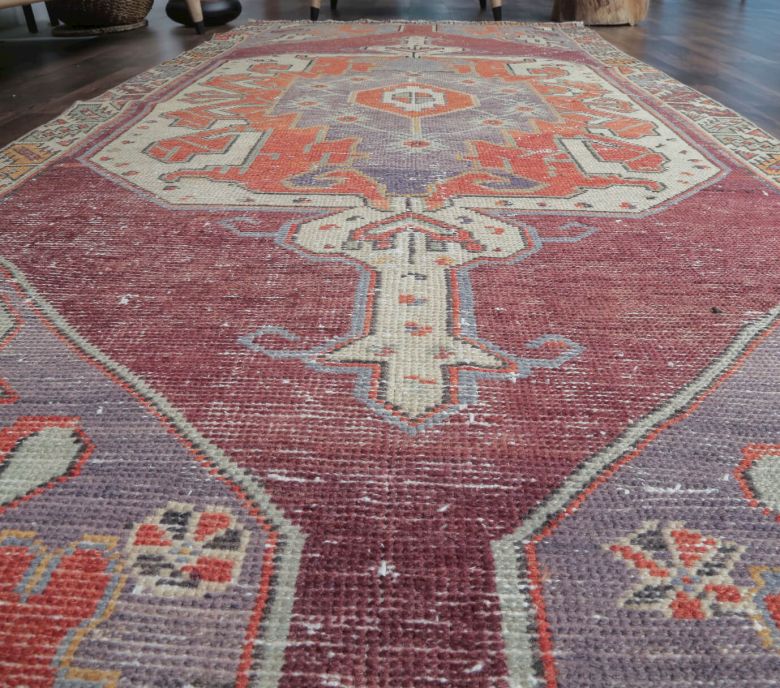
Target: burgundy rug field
x: 354, y: 355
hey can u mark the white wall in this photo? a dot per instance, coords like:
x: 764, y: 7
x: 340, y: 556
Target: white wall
x: 13, y: 16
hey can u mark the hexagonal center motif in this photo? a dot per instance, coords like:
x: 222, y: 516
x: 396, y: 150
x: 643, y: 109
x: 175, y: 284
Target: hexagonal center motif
x: 415, y: 100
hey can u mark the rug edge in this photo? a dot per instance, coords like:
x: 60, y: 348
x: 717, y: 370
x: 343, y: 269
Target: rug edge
x: 726, y: 140
x: 727, y: 143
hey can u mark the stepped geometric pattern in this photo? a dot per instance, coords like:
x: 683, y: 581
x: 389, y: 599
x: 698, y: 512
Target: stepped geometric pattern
x: 392, y: 354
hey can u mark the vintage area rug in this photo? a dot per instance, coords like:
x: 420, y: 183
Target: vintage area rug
x: 391, y: 354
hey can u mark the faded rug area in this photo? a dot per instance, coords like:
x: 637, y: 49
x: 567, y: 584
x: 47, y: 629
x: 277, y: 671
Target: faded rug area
x: 394, y: 354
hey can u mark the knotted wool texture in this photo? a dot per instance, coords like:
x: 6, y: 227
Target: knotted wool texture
x: 361, y: 355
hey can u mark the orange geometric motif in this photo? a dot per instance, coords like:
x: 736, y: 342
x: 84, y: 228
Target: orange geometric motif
x: 288, y: 131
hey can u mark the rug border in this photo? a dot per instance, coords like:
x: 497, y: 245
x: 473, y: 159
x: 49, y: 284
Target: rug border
x: 728, y: 144
x: 514, y: 587
x: 189, y: 59
x: 267, y: 668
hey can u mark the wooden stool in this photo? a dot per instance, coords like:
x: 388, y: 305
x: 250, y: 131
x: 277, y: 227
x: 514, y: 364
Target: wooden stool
x: 601, y: 12
x: 314, y: 8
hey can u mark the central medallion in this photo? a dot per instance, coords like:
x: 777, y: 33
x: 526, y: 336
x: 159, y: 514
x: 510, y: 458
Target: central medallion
x: 418, y: 169
x: 415, y: 100
x: 532, y: 134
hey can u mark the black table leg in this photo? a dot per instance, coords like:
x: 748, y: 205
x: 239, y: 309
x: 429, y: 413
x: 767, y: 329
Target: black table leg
x: 29, y: 17
x: 52, y: 14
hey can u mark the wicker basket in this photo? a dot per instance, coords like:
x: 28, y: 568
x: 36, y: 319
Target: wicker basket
x: 102, y: 14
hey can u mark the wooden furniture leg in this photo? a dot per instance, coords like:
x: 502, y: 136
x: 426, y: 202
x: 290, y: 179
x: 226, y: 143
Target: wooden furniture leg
x: 482, y: 4
x: 496, y: 5
x: 314, y: 10
x: 29, y: 17
x: 333, y: 5
x: 196, y: 13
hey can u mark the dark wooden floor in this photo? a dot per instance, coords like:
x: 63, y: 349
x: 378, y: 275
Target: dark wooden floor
x: 729, y: 49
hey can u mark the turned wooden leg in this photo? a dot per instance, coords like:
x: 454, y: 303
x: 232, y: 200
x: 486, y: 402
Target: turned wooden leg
x: 29, y: 17
x: 196, y: 14
x: 314, y: 10
x: 496, y: 4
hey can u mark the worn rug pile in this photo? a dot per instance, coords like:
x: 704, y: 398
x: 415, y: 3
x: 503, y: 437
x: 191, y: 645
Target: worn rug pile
x: 391, y: 354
